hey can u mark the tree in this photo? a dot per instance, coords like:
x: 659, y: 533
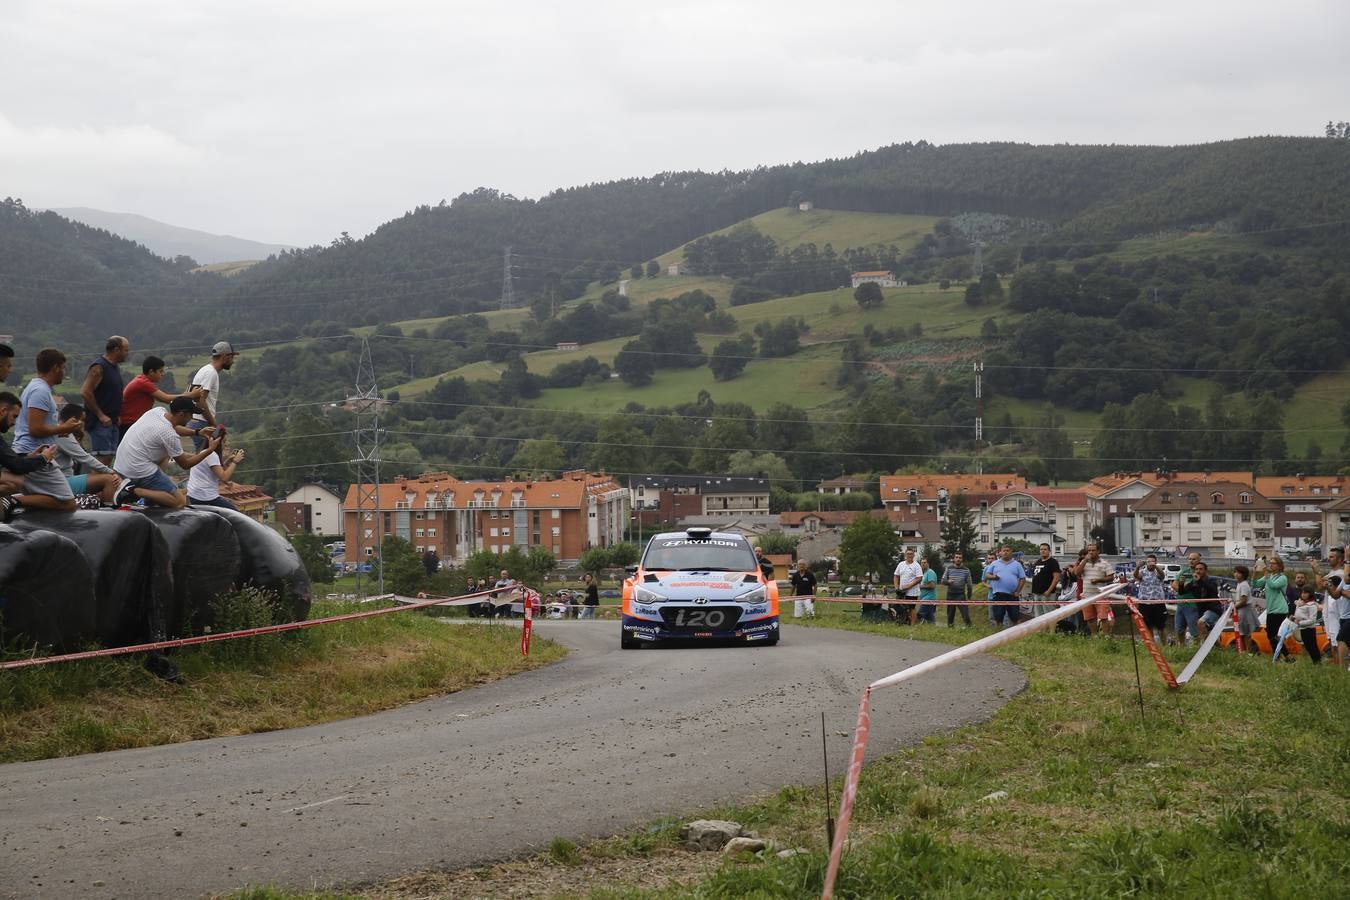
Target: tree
x: 538, y: 563
x: 779, y: 339
x: 991, y: 289
x: 593, y: 559
x: 314, y: 556
x: 653, y: 268
x: 989, y: 330
x: 623, y: 554
x: 634, y: 364
x: 403, y: 572
x: 958, y: 529
x: 309, y: 449
x: 539, y: 457
x: 974, y: 295
x: 868, y: 546
x: 637, y: 270
x: 619, y: 447
x: 776, y: 543
x: 729, y: 357
x: 868, y: 295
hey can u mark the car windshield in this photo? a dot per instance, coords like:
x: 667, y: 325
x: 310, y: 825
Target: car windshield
x: 711, y: 555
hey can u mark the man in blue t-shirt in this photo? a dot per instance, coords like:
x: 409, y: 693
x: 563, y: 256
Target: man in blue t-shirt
x: 1005, y: 577
x: 37, y: 427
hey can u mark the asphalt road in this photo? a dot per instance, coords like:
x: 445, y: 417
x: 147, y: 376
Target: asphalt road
x: 604, y: 740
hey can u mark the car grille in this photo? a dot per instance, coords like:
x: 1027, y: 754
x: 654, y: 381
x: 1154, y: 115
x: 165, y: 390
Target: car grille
x: 701, y: 618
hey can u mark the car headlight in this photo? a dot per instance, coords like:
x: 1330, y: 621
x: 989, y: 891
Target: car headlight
x: 642, y: 595
x: 758, y: 595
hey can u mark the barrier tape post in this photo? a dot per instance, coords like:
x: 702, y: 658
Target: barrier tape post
x: 940, y: 661
x: 1151, y: 645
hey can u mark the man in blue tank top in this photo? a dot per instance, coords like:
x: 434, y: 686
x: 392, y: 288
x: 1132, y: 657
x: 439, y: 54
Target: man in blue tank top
x: 102, y: 393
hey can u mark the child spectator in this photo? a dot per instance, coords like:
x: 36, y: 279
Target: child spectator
x: 95, y: 477
x: 1305, y: 619
x: 142, y: 391
x: 1248, y: 620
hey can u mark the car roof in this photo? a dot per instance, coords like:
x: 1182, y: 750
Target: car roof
x: 718, y: 535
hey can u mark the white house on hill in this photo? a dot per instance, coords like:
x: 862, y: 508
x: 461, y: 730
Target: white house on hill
x: 885, y: 278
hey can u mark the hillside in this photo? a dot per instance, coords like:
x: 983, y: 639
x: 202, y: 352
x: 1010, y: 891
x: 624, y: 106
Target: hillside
x: 171, y: 241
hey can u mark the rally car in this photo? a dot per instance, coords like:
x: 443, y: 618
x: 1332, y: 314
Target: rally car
x: 699, y: 585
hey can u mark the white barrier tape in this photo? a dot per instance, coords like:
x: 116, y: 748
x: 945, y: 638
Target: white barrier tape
x: 1207, y: 646
x: 943, y: 660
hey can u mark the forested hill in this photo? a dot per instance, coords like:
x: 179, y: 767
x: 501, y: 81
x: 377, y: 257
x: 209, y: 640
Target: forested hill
x: 446, y: 259
x: 65, y: 284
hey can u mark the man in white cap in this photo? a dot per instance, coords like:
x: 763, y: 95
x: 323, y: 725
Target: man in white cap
x: 208, y: 379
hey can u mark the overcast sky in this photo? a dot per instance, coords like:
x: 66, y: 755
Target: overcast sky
x: 291, y: 122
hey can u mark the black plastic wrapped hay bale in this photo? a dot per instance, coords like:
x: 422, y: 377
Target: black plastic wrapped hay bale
x: 130, y: 565
x: 268, y: 561
x: 46, y: 591
x: 205, y: 560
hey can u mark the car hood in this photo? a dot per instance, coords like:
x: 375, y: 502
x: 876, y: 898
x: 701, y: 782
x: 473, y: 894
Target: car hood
x: 699, y: 585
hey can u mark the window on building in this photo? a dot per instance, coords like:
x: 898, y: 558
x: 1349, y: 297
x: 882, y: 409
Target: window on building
x: 492, y: 532
x: 1219, y: 517
x: 556, y: 514
x: 1165, y: 497
x: 556, y: 531
x: 1244, y: 497
x: 1263, y: 517
x: 1245, y: 517
x: 1192, y: 498
x: 431, y: 532
x: 1193, y: 536
x: 1216, y: 498
x: 506, y: 532
x: 1218, y: 535
x: 1192, y: 520
x: 1262, y: 535
x: 420, y: 533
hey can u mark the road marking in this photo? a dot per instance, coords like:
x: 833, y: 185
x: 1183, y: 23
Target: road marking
x: 319, y: 803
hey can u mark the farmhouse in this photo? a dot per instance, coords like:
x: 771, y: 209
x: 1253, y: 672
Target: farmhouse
x: 885, y: 278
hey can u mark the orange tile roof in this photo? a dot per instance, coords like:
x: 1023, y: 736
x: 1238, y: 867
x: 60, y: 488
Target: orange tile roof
x: 828, y: 517
x: 567, y: 492
x: 1202, y: 490
x: 886, y: 272
x: 897, y: 486
x: 1104, y: 484
x: 1276, y: 486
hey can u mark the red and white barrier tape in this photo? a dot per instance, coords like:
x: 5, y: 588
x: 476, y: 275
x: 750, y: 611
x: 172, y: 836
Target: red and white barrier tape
x: 407, y: 604
x: 943, y: 660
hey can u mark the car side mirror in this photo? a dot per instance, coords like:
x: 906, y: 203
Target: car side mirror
x: 631, y: 570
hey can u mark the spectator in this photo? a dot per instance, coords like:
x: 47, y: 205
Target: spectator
x: 1005, y: 577
x: 431, y: 561
x: 1295, y: 589
x: 208, y: 379
x: 1151, y: 584
x: 6, y: 361
x: 592, y: 602
x: 988, y: 560
x: 146, y: 445
x: 960, y: 589
x: 1248, y: 620
x: 39, y: 425
x: 1207, y: 592
x: 906, y: 580
x: 1097, y: 576
x: 95, y: 477
x: 102, y: 393
x: 1273, y: 582
x: 1336, y: 604
x: 927, y: 593
x: 1305, y: 620
x: 142, y: 391
x: 803, y: 585
x: 205, y: 478
x: 16, y: 468
x: 1045, y: 579
x: 1070, y: 591
x: 504, y: 583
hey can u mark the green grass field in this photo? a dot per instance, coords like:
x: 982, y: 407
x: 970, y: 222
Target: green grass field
x: 805, y: 380
x: 840, y: 228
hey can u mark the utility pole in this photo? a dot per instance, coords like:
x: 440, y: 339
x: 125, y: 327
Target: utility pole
x: 365, y: 402
x: 979, y: 416
x: 979, y: 258
x: 508, y: 289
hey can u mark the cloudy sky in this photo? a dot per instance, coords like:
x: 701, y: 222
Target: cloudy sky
x: 294, y: 121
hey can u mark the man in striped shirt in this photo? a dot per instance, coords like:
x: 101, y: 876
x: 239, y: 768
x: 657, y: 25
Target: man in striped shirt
x: 960, y: 589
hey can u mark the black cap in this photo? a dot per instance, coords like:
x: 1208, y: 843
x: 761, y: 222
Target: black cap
x: 182, y: 405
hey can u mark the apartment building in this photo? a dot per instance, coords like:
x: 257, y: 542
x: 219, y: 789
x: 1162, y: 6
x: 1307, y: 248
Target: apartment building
x: 1216, y: 518
x: 1300, y: 500
x: 457, y: 518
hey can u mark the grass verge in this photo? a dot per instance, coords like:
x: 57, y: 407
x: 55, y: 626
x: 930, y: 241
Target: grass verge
x: 254, y: 684
x: 1234, y: 786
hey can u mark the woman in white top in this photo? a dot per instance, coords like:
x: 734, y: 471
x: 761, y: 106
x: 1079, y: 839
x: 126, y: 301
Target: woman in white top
x: 205, y: 479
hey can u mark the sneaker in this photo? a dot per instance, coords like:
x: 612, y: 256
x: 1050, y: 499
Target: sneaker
x: 7, y: 507
x: 160, y: 666
x: 125, y: 493
x: 88, y: 501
